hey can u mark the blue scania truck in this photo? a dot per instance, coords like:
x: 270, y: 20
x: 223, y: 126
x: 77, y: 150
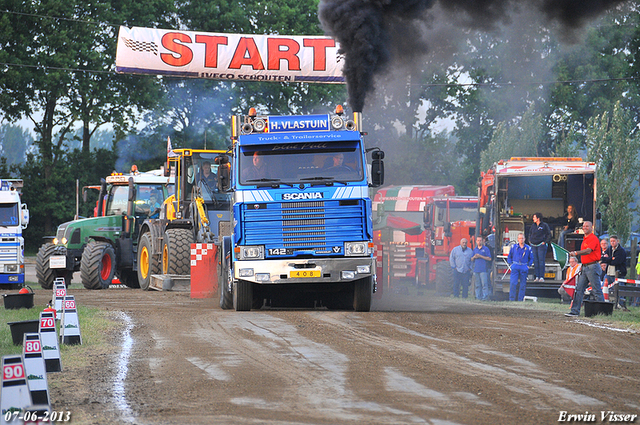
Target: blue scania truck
x: 301, y: 213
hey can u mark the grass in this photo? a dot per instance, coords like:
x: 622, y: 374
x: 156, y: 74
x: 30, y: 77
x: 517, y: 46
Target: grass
x: 619, y: 319
x: 95, y: 327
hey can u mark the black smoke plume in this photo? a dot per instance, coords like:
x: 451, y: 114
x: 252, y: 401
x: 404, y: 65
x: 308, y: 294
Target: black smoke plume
x: 373, y: 32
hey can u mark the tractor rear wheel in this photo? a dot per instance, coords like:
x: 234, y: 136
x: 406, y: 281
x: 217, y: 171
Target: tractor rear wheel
x: 146, y: 265
x: 176, y: 251
x: 98, y: 265
x: 45, y: 274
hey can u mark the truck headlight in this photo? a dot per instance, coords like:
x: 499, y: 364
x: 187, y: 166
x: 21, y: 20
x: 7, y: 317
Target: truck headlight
x: 245, y: 272
x: 363, y: 269
x: 251, y: 253
x: 355, y: 249
x: 263, y: 277
x: 348, y: 274
x: 11, y: 268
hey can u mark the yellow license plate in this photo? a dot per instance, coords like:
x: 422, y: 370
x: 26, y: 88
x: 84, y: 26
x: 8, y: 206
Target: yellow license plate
x: 550, y: 275
x: 304, y: 273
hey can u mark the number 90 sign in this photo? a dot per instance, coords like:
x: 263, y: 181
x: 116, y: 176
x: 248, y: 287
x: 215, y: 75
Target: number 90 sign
x: 13, y: 371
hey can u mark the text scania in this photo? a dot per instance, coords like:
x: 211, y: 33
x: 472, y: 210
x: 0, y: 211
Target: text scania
x: 297, y: 196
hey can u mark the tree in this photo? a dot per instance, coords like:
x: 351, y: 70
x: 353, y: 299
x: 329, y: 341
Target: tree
x: 56, y: 201
x: 520, y: 139
x: 62, y: 55
x: 15, y: 142
x: 613, y: 143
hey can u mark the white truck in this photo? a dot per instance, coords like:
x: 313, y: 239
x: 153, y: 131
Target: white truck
x: 14, y: 217
x: 515, y: 189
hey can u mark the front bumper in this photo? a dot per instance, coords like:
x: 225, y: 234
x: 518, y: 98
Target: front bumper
x: 11, y: 278
x: 325, y: 270
x: 71, y: 261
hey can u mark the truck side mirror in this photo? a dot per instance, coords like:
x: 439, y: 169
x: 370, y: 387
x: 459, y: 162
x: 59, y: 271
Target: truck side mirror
x: 377, y: 168
x: 447, y: 229
x: 25, y: 217
x: 427, y: 217
x: 224, y: 173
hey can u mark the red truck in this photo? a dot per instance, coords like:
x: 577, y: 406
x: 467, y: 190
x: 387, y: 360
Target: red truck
x: 447, y: 219
x: 399, y: 236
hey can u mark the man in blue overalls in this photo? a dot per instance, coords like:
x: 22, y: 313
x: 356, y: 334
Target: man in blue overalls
x: 520, y: 258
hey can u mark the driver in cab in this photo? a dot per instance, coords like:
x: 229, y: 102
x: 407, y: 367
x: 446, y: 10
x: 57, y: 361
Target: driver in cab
x: 257, y: 170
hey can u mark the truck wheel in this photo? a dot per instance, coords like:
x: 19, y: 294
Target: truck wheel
x: 362, y: 291
x: 44, y: 274
x: 176, y: 251
x: 226, y: 277
x: 97, y: 265
x: 444, y: 279
x: 242, y: 295
x: 146, y: 265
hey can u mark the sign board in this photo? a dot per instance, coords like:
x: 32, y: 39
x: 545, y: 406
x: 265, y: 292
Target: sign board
x: 243, y: 57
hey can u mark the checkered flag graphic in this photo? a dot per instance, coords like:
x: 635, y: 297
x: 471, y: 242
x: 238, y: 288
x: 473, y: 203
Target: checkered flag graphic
x: 141, y: 46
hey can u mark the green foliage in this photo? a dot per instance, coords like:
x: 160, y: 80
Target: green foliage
x: 15, y: 142
x: 95, y: 326
x: 520, y: 139
x: 55, y: 202
x: 613, y: 143
x: 425, y: 160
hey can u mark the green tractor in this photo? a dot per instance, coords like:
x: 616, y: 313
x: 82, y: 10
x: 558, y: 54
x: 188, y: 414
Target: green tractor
x: 105, y: 245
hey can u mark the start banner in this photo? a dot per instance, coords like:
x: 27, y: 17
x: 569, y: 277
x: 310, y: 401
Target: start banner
x: 277, y: 58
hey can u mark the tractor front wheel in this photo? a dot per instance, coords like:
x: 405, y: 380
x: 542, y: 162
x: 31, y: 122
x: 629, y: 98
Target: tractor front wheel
x: 45, y: 274
x: 146, y: 265
x: 176, y: 251
x: 97, y: 265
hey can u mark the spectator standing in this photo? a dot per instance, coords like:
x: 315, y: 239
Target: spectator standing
x: 616, y: 262
x: 460, y: 260
x: 590, y: 257
x: 520, y: 258
x: 604, y: 245
x: 568, y: 287
x: 570, y: 224
x: 481, y: 258
x: 539, y: 238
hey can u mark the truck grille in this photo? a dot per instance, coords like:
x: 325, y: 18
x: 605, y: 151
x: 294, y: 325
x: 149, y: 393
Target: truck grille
x: 313, y: 225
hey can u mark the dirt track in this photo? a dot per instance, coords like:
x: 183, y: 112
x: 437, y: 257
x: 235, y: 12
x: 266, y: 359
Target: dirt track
x: 177, y: 360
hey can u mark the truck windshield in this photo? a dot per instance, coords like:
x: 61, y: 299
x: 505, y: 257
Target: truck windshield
x: 412, y: 216
x: 301, y: 163
x: 9, y: 215
x: 458, y: 211
x: 205, y: 174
